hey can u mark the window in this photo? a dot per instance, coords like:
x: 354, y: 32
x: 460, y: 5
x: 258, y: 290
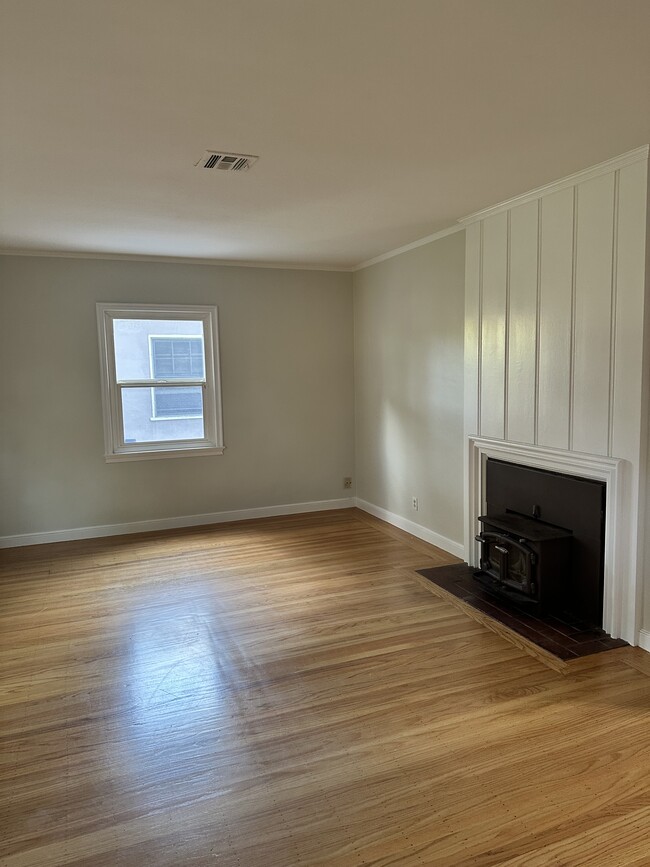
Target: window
x: 160, y: 381
x: 176, y: 357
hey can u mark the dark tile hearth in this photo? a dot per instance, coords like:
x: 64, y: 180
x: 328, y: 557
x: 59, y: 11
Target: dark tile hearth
x: 565, y: 638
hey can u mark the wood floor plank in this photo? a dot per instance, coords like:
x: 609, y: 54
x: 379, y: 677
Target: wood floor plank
x: 287, y: 692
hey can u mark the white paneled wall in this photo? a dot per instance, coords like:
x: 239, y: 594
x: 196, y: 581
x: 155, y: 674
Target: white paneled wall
x: 593, y: 321
x: 555, y: 334
x: 494, y: 303
x: 555, y: 298
x: 554, y: 331
x: 521, y: 324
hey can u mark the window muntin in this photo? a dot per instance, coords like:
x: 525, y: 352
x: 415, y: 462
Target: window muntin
x: 160, y: 381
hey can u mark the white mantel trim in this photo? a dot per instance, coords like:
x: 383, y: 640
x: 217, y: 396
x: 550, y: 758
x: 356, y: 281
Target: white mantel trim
x: 587, y: 174
x: 620, y: 587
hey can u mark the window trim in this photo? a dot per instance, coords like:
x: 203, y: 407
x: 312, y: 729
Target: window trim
x: 151, y: 338
x: 115, y: 447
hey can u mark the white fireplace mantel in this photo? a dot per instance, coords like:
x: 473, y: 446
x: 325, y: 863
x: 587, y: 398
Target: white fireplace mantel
x: 619, y: 604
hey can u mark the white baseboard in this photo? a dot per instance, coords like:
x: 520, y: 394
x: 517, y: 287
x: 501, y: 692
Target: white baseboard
x: 644, y: 639
x: 455, y: 548
x: 171, y: 523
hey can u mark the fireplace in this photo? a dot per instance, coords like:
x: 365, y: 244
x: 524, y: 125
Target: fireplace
x: 542, y: 539
x: 618, y: 590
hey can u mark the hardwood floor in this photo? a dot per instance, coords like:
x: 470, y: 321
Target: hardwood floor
x: 287, y: 692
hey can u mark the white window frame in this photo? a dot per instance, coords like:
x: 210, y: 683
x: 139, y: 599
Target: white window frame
x: 115, y: 447
x: 153, y: 337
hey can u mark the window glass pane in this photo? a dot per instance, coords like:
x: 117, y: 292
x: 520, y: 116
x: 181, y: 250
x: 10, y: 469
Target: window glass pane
x: 142, y: 344
x: 162, y: 348
x: 182, y: 365
x: 163, y: 366
x: 177, y: 357
x: 139, y: 414
x: 180, y: 348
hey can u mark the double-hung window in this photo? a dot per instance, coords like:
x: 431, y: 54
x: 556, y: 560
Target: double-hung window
x: 160, y: 381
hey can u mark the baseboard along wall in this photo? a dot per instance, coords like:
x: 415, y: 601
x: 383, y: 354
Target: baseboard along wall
x: 97, y: 531
x: 644, y: 639
x: 455, y: 548
x: 100, y: 530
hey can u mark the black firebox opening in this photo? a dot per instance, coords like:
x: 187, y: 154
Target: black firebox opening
x: 542, y: 539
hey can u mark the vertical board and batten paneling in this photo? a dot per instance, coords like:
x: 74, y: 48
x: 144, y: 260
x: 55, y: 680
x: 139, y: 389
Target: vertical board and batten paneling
x: 522, y: 324
x: 626, y: 416
x: 627, y: 421
x: 494, y: 293
x: 472, y: 320
x: 555, y: 320
x: 554, y: 306
x: 593, y: 310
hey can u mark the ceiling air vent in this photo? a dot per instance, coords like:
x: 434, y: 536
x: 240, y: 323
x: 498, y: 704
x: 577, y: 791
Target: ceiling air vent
x: 225, y: 162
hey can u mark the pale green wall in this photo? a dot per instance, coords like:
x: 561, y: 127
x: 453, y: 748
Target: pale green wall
x: 286, y: 355
x: 408, y: 322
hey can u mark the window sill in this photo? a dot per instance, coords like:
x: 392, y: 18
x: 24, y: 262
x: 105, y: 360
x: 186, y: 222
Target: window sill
x: 155, y: 454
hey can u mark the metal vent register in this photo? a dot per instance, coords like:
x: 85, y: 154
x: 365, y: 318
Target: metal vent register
x: 226, y: 162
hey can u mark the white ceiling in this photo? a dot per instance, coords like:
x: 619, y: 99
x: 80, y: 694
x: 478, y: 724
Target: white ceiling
x: 377, y: 122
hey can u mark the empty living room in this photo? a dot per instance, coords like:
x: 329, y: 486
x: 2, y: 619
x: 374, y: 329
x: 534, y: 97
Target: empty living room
x: 324, y: 502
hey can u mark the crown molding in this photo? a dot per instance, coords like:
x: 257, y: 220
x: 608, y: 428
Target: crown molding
x: 231, y: 263
x: 587, y: 174
x: 170, y: 260
x: 399, y: 250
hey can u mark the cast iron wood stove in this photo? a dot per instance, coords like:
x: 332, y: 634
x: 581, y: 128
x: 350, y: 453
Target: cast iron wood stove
x: 524, y: 559
x: 542, y: 540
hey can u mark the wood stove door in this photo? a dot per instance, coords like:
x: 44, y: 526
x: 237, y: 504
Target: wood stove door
x: 508, y: 560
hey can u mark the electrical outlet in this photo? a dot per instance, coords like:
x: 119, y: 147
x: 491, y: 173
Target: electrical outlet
x: 347, y: 482
x: 415, y: 503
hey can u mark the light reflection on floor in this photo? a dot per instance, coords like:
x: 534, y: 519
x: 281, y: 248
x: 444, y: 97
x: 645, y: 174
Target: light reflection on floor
x: 174, y: 673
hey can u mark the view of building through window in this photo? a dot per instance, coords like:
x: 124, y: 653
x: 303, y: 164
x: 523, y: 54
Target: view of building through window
x: 160, y: 349
x: 177, y: 357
